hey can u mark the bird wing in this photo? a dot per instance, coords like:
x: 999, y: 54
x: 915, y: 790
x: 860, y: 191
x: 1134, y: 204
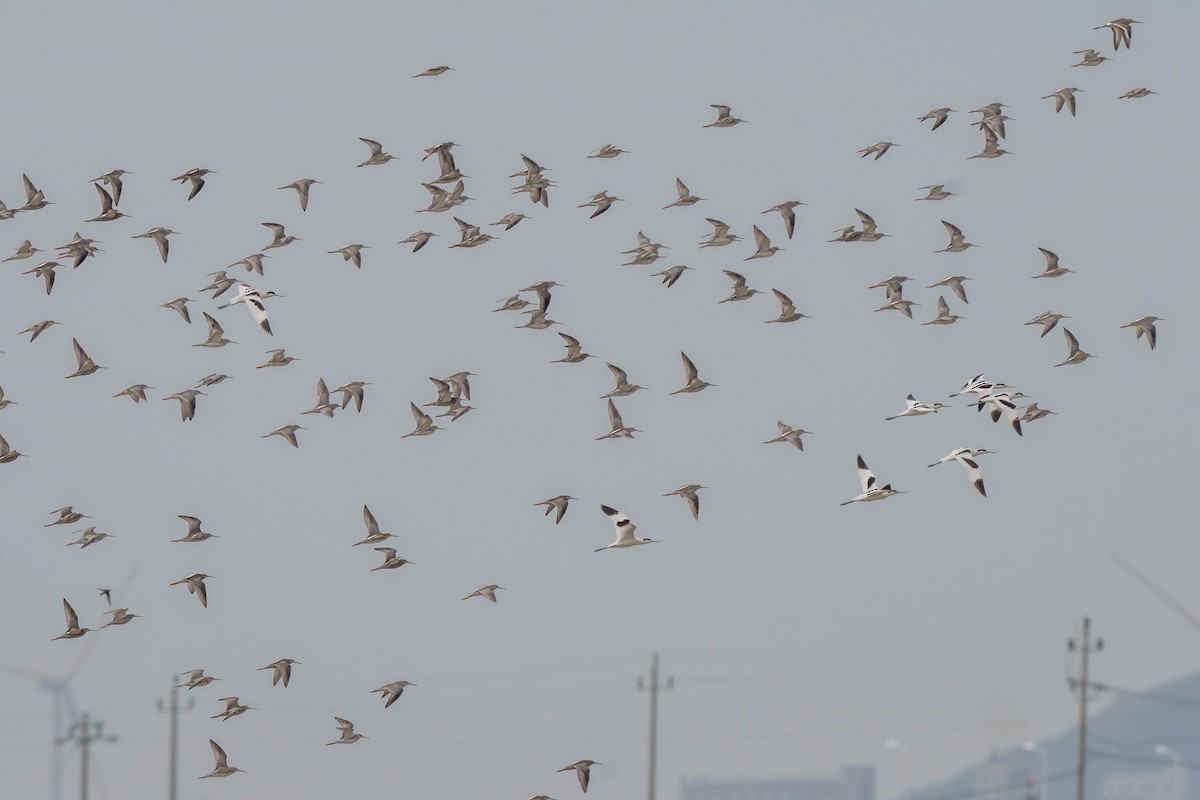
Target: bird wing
x: 865, y: 476
x: 376, y: 147
x: 739, y: 281
x: 681, y: 188
x: 369, y: 521
x: 614, y: 416
x: 689, y: 369
x: 218, y: 754
x: 80, y: 355
x: 973, y: 474
x: 619, y: 374
x: 785, y: 302
x: 1072, y: 342
x: 69, y: 613
x: 943, y: 310
x: 106, y: 201
x: 1051, y: 258
x: 868, y: 222
x: 621, y: 523
x: 760, y: 239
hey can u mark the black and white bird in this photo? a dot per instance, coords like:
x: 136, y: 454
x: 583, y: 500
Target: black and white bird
x: 871, y: 490
x: 625, y: 538
x: 966, y: 456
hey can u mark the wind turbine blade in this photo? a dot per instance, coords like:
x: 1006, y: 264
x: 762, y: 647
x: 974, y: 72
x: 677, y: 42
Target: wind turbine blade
x: 1158, y: 592
x: 31, y: 674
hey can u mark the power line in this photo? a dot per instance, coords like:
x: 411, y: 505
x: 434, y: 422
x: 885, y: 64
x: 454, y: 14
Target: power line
x: 653, y: 687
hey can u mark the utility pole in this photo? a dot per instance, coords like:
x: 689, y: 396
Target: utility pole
x: 1084, y: 648
x: 173, y: 709
x: 84, y: 733
x: 654, y: 688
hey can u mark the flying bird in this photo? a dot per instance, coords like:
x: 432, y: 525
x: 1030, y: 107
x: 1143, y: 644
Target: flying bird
x: 624, y: 529
x: 619, y: 429
x: 871, y: 490
x: 377, y: 157
x: 195, y: 177
x: 195, y: 585
x: 281, y: 670
x: 159, y: 235
x: 1145, y: 325
x: 73, y: 630
x: 1074, y: 354
x: 557, y: 504
x: 688, y: 493
x: 85, y: 364
x: 302, y: 188
x: 723, y: 120
x: 392, y: 691
x: 582, y: 769
x: 790, y: 435
x: 345, y: 726
x: 487, y: 592
x: 216, y: 334
x: 221, y: 769
x: 692, y: 382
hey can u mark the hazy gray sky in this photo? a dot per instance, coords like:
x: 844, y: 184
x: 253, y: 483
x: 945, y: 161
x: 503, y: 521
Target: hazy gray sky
x: 800, y: 634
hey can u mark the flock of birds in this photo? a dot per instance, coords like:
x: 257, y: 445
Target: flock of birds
x: 453, y: 392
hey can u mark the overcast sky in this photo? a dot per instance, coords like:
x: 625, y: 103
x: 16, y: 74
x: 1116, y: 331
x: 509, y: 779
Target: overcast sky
x: 800, y: 634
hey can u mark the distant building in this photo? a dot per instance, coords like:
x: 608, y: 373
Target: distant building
x: 855, y: 782
x: 1164, y: 784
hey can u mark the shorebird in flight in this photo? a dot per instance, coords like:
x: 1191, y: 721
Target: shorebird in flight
x: 1132, y: 94
x: 787, y: 309
x: 692, y: 382
x: 433, y: 72
x: 1032, y: 413
x: 1122, y: 31
x: 374, y: 535
x: 790, y: 435
x: 89, y: 536
x: 159, y: 235
x: 345, y: 726
x: 608, y: 151
x: 1053, y: 270
x: 67, y: 515
x: 37, y: 329
x: 378, y: 157
x: 418, y: 240
x: 351, y: 253
x: 107, y: 212
x: 871, y: 490
x: 688, y: 493
x: 354, y: 390
x: 1002, y: 404
x: 937, y: 191
x: 879, y: 148
x: 113, y: 181
x: 1090, y: 58
x: 216, y: 334
x: 740, y: 292
x: 1145, y: 325
x: 194, y: 176
x: 196, y: 679
x: 1074, y: 354
x: 120, y: 616
x: 73, y: 630
x: 279, y: 358
x: 179, y: 305
x: 575, y: 352
x: 619, y: 429
x: 671, y: 275
x: 35, y: 198
x: 488, y: 592
x: 233, y: 708
x: 557, y: 504
x: 787, y: 210
x: 195, y: 585
x: 390, y: 560
x: 221, y: 768
x: 424, y: 423
x: 958, y: 242
x: 194, y: 534
x: 509, y: 221
x: 187, y: 401
x: 723, y: 120
x: 624, y: 529
x: 966, y: 456
x: 720, y: 236
x: 26, y: 250
x: 392, y: 691
x: 624, y: 387
x: 686, y: 198
x: 253, y: 300
x: 955, y: 283
x: 1064, y: 97
x: 939, y: 117
x: 323, y: 405
x: 302, y: 188
x: 1047, y: 319
x: 280, y: 237
x: 287, y: 433
x: 85, y: 364
x: 281, y: 670
x: 765, y: 249
x: 602, y: 201
x: 45, y: 271
x: 915, y: 408
x: 944, y: 317
x: 582, y: 771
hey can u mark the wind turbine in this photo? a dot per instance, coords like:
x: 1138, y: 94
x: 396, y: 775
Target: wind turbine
x: 64, y: 711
